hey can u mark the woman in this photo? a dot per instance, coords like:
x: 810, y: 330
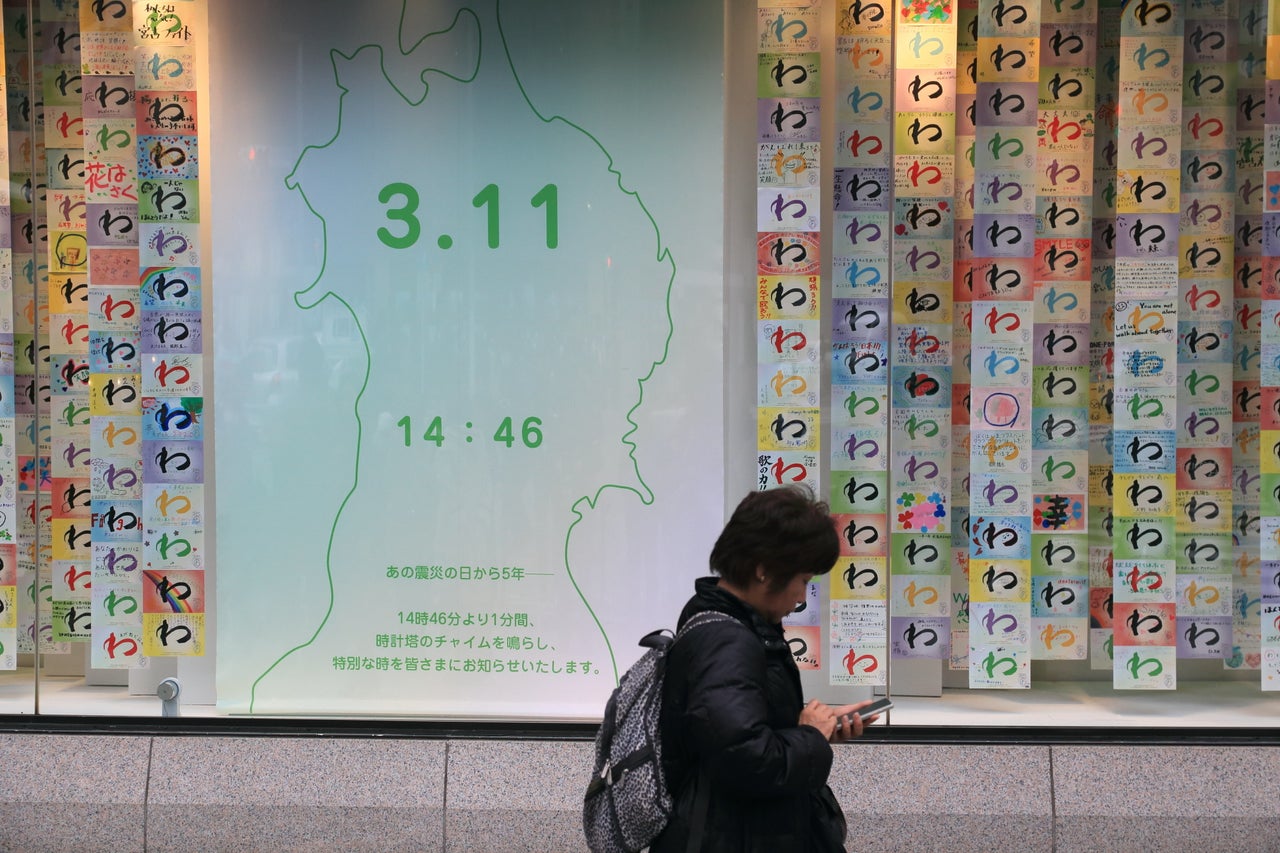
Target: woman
x: 735, y: 727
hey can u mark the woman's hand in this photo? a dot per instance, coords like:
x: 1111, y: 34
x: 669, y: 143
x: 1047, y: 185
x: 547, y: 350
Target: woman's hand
x: 849, y: 724
x: 820, y: 716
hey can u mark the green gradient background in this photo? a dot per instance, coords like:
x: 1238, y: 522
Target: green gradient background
x: 325, y: 339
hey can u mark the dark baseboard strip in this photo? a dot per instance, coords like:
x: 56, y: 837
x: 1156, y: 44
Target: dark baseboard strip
x: 313, y: 727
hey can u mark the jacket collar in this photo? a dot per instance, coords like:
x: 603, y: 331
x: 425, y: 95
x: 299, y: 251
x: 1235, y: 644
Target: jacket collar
x: 708, y: 595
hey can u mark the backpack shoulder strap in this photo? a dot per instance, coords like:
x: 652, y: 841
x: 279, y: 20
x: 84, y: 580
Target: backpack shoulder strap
x: 706, y: 617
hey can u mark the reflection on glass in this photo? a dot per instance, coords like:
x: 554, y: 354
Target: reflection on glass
x: 19, y: 433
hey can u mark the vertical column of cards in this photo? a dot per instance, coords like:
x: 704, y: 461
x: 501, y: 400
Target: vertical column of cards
x: 68, y: 333
x: 1001, y: 392
x: 860, y: 342
x: 171, y: 339
x: 1146, y: 347
x: 1268, y: 603
x: 924, y: 144
x: 1063, y: 267
x: 1206, y: 314
x: 788, y: 248
x: 21, y: 233
x: 1251, y: 407
x: 1102, y: 331
x: 50, y: 641
x: 111, y: 197
x: 962, y: 325
x: 53, y: 638
x: 10, y: 523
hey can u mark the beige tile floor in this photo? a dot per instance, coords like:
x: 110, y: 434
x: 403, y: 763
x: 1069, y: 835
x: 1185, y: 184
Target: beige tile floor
x: 1201, y: 704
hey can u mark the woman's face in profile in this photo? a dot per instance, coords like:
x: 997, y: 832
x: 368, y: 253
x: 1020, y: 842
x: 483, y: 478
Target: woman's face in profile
x: 775, y: 604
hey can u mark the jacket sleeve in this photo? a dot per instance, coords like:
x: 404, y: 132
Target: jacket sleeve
x: 727, y: 722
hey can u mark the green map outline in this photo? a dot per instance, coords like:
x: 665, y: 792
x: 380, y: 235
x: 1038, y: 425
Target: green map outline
x: 663, y: 256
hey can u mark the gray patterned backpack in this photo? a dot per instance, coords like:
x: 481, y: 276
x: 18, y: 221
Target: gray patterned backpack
x: 628, y: 802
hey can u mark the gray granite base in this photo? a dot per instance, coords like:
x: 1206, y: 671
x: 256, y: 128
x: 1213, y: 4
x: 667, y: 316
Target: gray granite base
x: 1167, y: 799
x: 516, y: 792
x: 284, y: 829
x: 945, y: 798
x: 313, y: 794
x: 211, y: 794
x: 83, y: 793
x: 530, y: 831
x: 947, y: 833
x: 83, y: 827
x: 1169, y: 835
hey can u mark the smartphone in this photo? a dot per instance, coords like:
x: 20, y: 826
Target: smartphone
x: 877, y: 707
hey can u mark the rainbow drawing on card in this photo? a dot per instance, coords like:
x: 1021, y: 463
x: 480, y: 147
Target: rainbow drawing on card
x: 924, y: 248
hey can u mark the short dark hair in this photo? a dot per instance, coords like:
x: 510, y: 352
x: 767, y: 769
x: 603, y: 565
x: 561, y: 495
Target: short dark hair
x: 785, y: 531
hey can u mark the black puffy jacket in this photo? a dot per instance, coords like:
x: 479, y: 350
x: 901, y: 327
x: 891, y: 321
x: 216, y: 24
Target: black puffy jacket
x: 731, y: 703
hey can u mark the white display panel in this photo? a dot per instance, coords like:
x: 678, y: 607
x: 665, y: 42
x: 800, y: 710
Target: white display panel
x: 468, y: 349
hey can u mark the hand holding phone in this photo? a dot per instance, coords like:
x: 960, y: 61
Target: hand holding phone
x: 848, y: 726
x: 879, y: 706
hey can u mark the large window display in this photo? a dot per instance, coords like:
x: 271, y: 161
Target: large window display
x: 104, y: 475
x: 404, y: 358
x: 497, y: 312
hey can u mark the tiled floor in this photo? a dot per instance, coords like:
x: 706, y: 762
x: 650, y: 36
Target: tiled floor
x: 121, y: 793
x: 1203, y: 704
